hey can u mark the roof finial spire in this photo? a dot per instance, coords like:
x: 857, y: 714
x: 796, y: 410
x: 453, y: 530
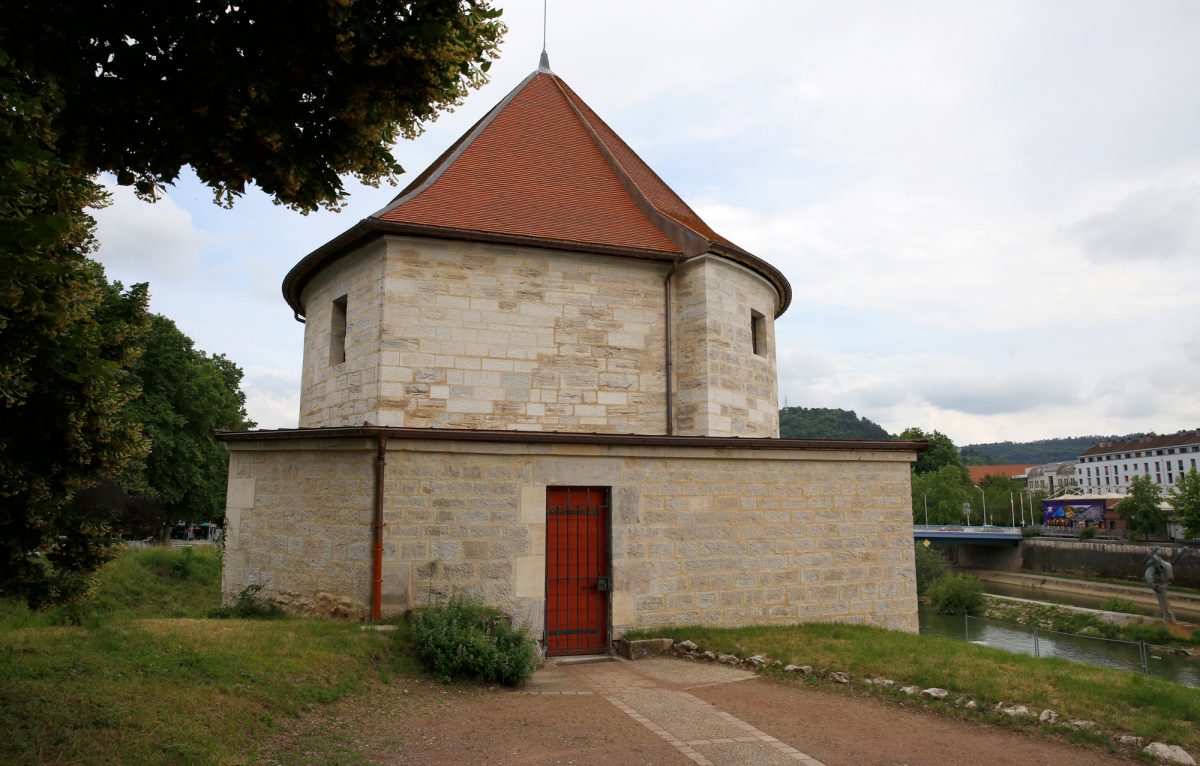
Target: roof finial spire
x: 544, y: 61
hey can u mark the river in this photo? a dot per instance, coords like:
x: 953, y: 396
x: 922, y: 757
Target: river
x: 1018, y: 638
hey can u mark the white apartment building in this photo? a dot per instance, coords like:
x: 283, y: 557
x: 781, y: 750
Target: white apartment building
x: 1110, y: 466
x: 1052, y: 477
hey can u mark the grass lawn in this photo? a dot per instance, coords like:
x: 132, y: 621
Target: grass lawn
x: 141, y: 675
x: 1116, y: 701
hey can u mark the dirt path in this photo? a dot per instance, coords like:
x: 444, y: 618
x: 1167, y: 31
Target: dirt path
x: 661, y: 711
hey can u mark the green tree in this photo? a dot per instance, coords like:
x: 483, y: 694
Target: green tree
x: 1001, y: 492
x: 286, y: 97
x: 1140, y: 509
x: 67, y: 340
x: 941, y: 453
x: 944, y: 492
x: 186, y: 395
x: 1185, y: 499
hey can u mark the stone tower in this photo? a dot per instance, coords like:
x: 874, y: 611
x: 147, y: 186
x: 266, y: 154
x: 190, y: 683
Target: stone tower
x: 539, y: 276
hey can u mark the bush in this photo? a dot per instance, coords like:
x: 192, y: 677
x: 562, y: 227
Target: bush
x: 1030, y: 532
x: 247, y: 604
x: 1118, y: 604
x: 931, y: 565
x: 463, y: 640
x: 1087, y: 533
x: 956, y: 594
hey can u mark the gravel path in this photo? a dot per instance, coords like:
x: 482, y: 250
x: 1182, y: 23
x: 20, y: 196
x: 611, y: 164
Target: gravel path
x: 658, y: 711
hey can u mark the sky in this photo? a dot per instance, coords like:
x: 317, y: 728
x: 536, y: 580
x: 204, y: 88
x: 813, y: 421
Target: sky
x: 989, y: 212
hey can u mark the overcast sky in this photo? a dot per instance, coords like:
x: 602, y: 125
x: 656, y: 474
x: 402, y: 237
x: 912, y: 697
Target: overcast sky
x: 989, y: 212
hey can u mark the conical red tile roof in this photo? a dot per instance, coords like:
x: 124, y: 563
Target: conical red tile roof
x: 542, y: 169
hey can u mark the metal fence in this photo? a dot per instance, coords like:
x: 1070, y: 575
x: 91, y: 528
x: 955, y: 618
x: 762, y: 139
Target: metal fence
x: 1073, y: 532
x: 1130, y: 656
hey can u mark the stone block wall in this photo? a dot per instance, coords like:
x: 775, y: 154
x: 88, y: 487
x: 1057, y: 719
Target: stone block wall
x: 298, y: 522
x: 724, y: 387
x: 346, y: 393
x: 505, y: 337
x: 450, y: 334
x: 698, y: 535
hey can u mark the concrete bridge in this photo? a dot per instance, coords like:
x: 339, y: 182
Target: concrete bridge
x: 951, y: 534
x: 985, y: 547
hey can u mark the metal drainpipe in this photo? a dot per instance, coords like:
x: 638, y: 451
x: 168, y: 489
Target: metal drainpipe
x: 377, y: 530
x: 669, y: 365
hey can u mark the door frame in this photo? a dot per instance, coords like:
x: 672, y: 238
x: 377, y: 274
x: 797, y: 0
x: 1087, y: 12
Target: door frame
x: 608, y: 566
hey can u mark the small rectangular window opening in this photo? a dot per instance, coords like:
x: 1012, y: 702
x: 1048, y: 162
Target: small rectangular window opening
x: 758, y: 332
x: 337, y: 332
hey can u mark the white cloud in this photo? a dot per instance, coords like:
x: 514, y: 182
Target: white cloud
x: 1151, y: 224
x: 989, y: 212
x: 141, y: 241
x: 272, y: 396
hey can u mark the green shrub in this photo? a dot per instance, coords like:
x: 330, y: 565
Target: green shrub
x: 1087, y: 533
x: 1030, y: 532
x: 956, y: 594
x: 247, y: 604
x: 1118, y: 604
x: 931, y: 565
x: 463, y: 640
x: 1151, y: 634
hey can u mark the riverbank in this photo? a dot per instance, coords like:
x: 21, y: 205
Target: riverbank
x: 1185, y: 605
x: 854, y: 657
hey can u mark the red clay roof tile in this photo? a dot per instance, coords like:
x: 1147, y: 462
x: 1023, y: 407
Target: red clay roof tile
x: 531, y: 169
x: 542, y: 168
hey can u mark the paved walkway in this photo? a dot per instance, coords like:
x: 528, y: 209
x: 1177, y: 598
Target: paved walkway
x: 655, y: 693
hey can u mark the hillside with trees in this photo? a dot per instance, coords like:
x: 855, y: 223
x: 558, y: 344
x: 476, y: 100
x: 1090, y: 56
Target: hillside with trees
x: 1033, y: 453
x: 826, y: 423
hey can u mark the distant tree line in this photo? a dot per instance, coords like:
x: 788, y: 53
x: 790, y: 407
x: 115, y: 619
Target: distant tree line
x: 1033, y: 453
x: 825, y: 423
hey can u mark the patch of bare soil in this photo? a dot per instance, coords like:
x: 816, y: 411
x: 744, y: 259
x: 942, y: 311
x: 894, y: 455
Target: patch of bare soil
x: 422, y: 722
x: 841, y: 729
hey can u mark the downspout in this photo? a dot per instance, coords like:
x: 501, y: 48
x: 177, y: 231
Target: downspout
x: 670, y: 365
x: 377, y: 530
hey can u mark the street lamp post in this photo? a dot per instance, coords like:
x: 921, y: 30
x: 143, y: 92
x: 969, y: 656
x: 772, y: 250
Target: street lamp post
x: 984, y: 503
x: 926, y: 509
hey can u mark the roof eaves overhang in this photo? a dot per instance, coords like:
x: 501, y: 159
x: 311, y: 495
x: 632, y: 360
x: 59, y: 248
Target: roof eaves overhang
x: 558, y: 437
x: 758, y: 265
x: 692, y: 242
x: 370, y: 228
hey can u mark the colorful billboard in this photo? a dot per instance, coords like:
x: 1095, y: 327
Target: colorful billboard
x: 1072, y: 513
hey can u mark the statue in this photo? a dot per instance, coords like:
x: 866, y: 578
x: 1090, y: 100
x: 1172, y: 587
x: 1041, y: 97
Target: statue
x: 1159, y: 573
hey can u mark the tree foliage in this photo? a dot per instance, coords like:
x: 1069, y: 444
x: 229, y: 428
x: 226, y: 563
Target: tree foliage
x: 67, y: 341
x: 1140, y: 508
x: 186, y: 395
x: 941, y: 453
x: 943, y: 492
x: 287, y: 96
x: 826, y: 423
x: 1002, y: 493
x: 1034, y: 452
x: 1184, y: 497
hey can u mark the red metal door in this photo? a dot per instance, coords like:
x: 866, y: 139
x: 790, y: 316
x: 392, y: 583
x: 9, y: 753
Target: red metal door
x: 577, y: 580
